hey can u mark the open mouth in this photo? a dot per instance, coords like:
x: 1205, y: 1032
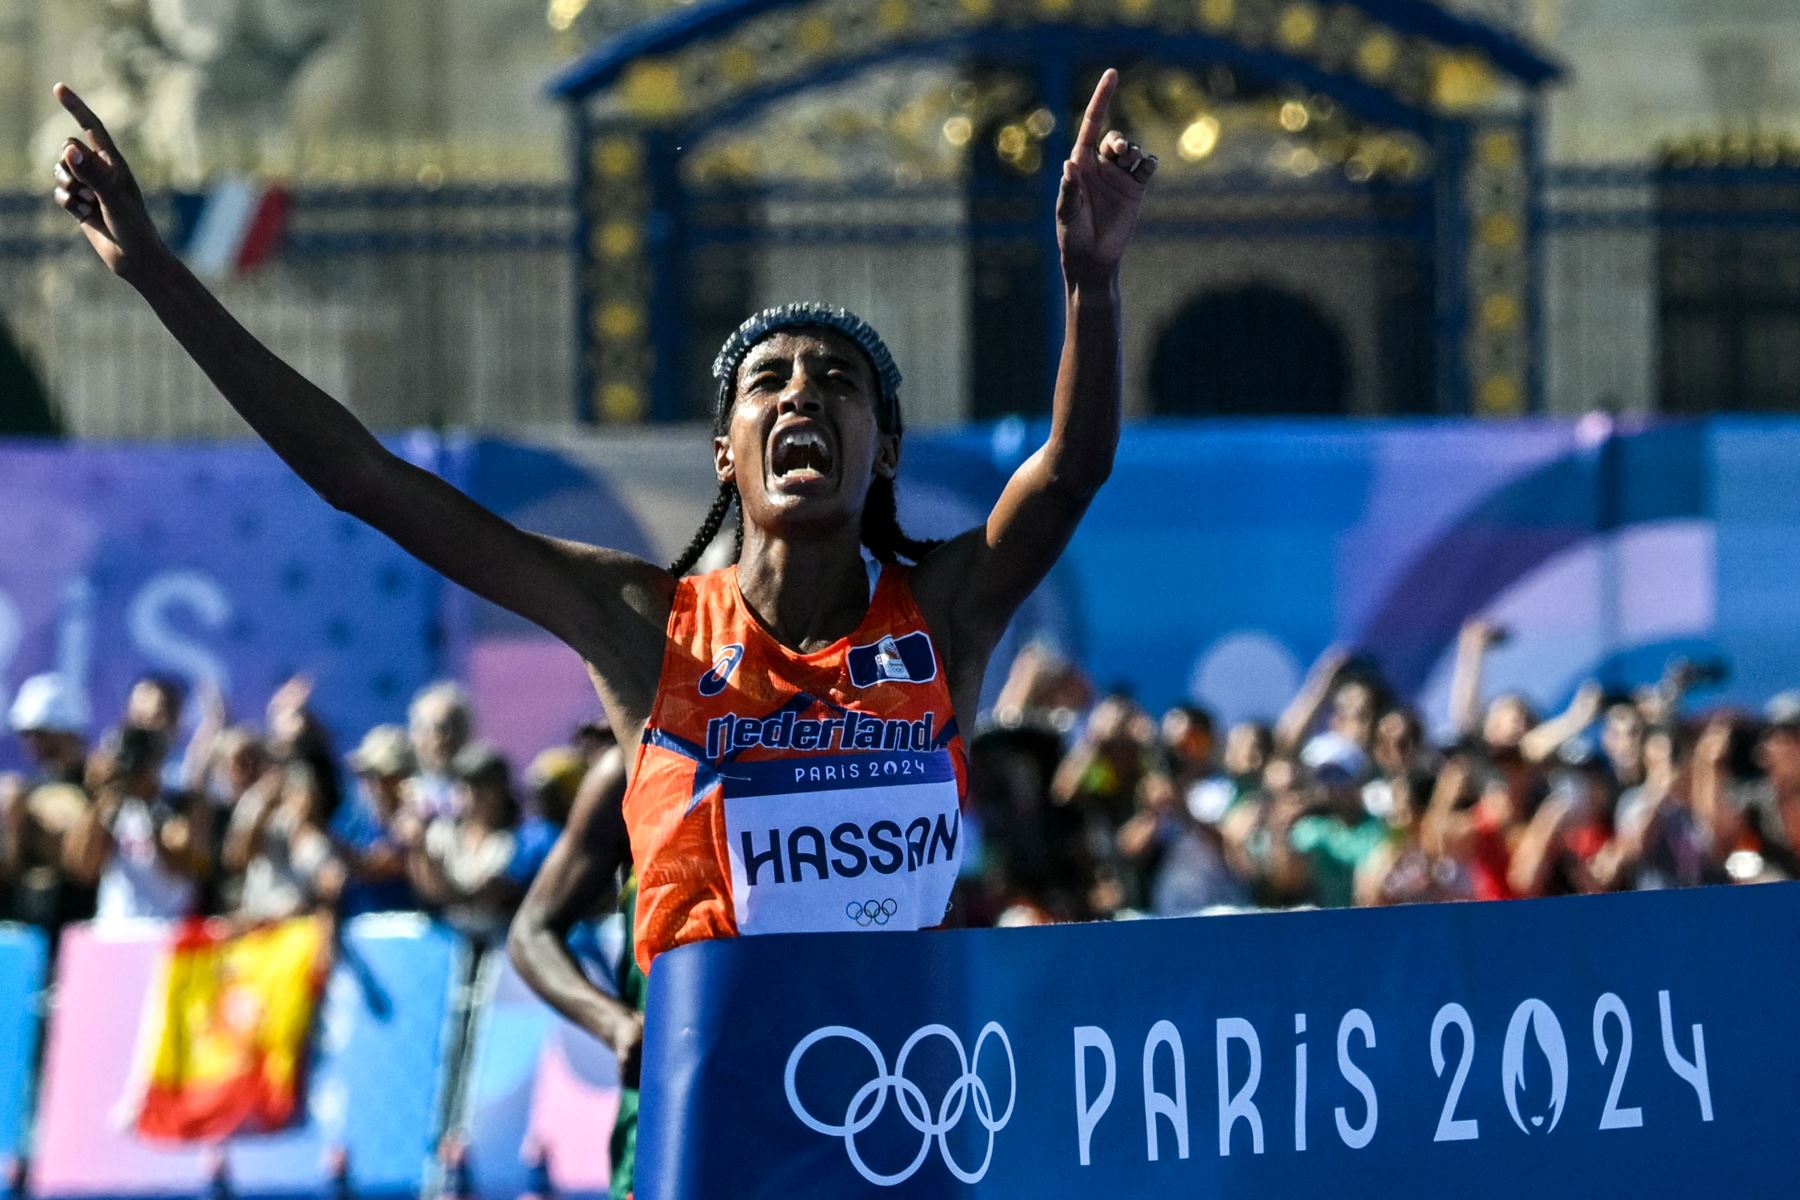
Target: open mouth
x: 799, y: 452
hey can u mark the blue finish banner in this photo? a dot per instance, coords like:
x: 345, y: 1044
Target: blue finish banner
x: 1632, y: 1045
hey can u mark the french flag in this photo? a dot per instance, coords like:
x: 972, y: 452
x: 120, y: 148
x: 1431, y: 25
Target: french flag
x: 231, y: 228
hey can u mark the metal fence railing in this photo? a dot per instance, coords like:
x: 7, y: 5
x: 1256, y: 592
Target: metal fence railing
x: 1597, y: 346
x: 1674, y: 288
x: 415, y: 305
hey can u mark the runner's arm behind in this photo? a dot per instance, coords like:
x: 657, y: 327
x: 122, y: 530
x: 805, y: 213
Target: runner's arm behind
x: 574, y: 881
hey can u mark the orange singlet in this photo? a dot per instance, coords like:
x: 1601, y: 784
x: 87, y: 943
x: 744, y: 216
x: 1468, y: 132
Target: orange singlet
x: 779, y: 792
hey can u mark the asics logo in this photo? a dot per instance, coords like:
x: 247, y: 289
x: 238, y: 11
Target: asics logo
x: 713, y: 682
x: 967, y: 1093
x: 871, y: 912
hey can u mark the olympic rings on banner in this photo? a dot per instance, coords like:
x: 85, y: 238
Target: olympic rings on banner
x: 967, y: 1091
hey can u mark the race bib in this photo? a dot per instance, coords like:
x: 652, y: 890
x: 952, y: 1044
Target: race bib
x: 859, y: 841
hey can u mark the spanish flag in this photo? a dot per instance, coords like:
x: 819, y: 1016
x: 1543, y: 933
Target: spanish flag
x: 226, y: 1026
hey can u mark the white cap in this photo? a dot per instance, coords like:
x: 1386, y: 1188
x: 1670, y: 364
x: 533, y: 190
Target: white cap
x: 1783, y: 710
x: 1334, y: 750
x: 47, y: 704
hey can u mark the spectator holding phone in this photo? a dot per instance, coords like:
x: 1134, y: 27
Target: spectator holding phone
x: 367, y: 827
x: 440, y: 723
x: 280, y: 839
x: 1180, y: 859
x: 1571, y: 828
x: 1498, y: 725
x: 1413, y: 864
x: 459, y: 864
x: 1335, y: 835
x: 1346, y: 687
x: 1770, y: 806
x: 39, y: 809
x: 146, y: 849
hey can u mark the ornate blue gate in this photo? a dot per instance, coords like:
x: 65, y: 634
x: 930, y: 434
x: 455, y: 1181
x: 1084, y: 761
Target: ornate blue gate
x: 1396, y: 126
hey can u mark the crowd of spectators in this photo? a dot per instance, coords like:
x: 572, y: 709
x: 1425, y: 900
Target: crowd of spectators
x: 1092, y: 808
x: 161, y: 818
x: 1081, y: 807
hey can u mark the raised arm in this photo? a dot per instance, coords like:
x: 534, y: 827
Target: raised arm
x: 571, y: 886
x: 1472, y: 644
x: 249, y: 821
x: 606, y: 604
x: 1543, y: 740
x: 980, y: 579
x: 1296, y: 722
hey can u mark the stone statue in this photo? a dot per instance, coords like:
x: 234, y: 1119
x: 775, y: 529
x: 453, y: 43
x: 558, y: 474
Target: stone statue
x: 210, y: 80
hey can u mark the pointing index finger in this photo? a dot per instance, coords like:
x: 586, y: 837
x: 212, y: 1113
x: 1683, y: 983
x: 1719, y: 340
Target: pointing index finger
x: 1093, y: 122
x: 84, y: 116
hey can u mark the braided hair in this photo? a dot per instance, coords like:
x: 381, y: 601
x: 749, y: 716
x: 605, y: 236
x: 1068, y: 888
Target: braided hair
x: 880, y: 531
x: 709, y: 529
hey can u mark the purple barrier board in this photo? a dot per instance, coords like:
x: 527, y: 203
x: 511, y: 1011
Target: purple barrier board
x: 212, y: 564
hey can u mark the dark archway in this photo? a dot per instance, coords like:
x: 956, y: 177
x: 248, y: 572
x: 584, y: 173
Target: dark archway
x: 27, y: 409
x: 1252, y: 350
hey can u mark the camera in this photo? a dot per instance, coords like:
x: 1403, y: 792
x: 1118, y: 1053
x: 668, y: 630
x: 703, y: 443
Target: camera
x: 135, y: 751
x: 1704, y: 672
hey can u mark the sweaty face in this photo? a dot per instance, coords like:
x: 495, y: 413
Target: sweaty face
x: 803, y: 444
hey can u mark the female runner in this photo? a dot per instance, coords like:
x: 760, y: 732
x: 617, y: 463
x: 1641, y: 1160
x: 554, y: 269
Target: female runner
x: 795, y: 762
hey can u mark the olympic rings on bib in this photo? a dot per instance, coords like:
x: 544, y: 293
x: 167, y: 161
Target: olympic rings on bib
x: 871, y: 912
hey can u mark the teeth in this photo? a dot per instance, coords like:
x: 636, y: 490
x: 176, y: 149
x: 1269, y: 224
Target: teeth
x: 801, y: 450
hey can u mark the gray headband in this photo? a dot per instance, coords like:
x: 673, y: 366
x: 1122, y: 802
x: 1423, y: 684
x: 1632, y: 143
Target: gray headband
x: 813, y: 316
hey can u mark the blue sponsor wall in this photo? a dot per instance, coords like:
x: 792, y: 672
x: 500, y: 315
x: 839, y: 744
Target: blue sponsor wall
x: 1219, y: 560
x: 1222, y: 557
x: 210, y: 563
